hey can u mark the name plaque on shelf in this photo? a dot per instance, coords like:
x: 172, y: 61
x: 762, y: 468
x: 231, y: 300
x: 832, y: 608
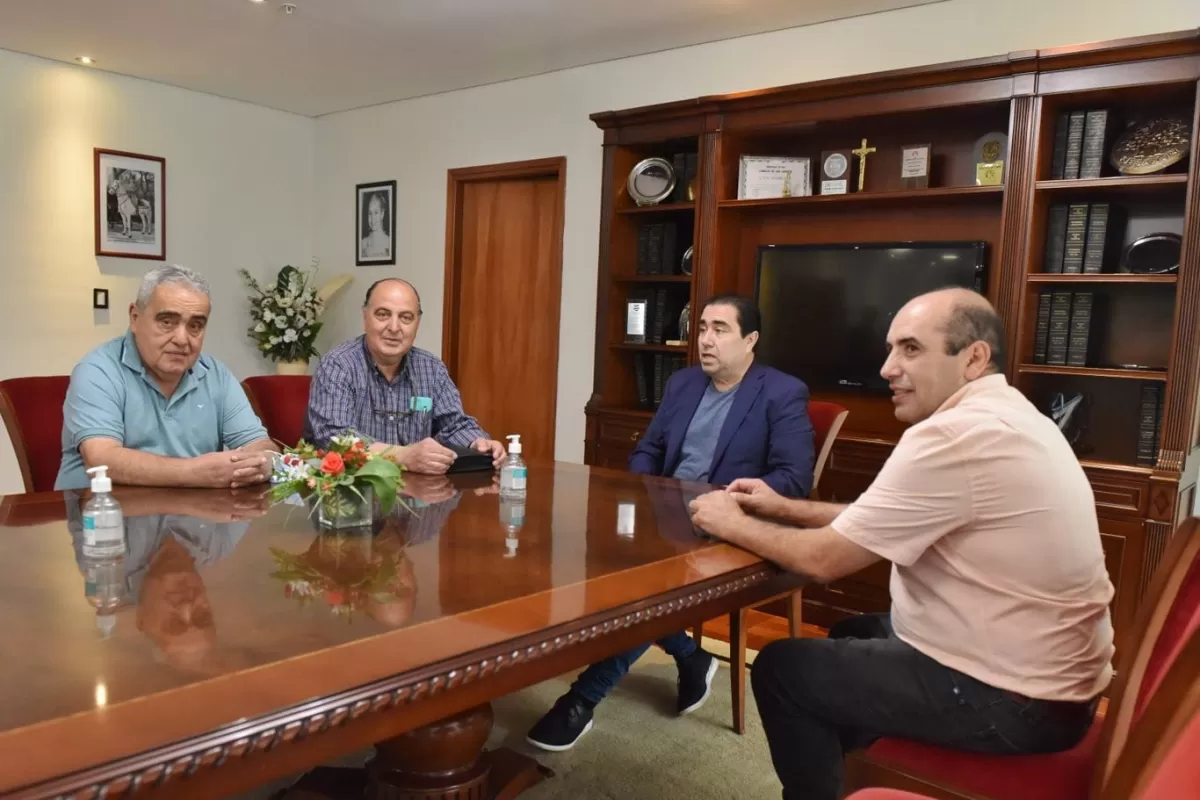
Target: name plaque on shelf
x: 636, y: 309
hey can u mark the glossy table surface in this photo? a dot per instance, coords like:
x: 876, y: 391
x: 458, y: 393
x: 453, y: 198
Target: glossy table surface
x: 223, y: 608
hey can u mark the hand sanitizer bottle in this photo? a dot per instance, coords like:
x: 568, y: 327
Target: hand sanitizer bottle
x: 103, y: 520
x: 512, y: 471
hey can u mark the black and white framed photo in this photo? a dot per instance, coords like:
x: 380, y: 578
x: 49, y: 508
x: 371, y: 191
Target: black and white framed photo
x: 375, y: 240
x: 131, y: 215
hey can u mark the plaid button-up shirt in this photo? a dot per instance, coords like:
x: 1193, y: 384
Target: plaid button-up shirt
x: 350, y: 393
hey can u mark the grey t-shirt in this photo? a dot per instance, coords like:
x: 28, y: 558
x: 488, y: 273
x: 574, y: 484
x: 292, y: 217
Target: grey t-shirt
x: 700, y: 441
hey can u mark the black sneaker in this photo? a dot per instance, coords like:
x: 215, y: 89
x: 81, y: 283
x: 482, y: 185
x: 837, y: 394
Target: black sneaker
x: 561, y: 727
x: 695, y: 681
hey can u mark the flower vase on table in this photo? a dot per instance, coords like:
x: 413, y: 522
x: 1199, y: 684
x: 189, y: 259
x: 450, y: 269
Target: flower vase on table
x: 343, y: 482
x: 346, y: 507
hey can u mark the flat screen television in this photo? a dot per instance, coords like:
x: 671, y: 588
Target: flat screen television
x: 826, y: 308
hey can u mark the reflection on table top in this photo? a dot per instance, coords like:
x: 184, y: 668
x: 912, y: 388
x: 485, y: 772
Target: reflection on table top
x: 233, y: 608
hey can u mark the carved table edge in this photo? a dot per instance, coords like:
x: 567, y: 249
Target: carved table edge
x: 154, y: 768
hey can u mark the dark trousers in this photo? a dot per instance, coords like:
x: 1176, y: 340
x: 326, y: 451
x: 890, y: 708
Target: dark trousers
x: 595, y: 682
x: 821, y: 698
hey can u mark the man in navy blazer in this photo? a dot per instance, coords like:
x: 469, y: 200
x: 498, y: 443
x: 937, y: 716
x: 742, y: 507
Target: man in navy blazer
x: 725, y: 419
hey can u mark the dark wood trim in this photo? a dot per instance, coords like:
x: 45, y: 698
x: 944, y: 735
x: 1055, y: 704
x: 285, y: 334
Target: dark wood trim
x: 603, y: 273
x: 1134, y: 48
x: 1170, y: 47
x: 1018, y: 200
x: 1184, y: 367
x: 456, y: 181
x: 246, y: 754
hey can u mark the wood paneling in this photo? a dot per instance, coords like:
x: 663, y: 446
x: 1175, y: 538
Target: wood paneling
x: 503, y: 289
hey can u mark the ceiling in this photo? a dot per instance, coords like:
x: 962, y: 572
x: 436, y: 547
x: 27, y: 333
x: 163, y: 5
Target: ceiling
x: 334, y: 55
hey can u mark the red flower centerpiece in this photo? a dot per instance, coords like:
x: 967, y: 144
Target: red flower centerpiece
x: 344, y: 480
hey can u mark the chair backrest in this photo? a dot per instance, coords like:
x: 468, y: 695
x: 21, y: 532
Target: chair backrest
x: 33, y: 414
x: 827, y: 419
x: 281, y: 402
x: 1160, y: 762
x: 1167, y: 619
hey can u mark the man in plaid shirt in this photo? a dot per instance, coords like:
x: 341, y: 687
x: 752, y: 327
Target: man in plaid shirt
x: 400, y: 396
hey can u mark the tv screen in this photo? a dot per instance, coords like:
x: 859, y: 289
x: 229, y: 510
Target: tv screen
x: 826, y: 308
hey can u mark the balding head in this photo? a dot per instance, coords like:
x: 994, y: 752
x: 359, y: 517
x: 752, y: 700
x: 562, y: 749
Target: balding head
x: 938, y: 343
x: 391, y: 316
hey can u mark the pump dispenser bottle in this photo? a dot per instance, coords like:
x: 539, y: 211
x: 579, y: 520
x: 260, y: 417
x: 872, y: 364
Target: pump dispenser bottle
x: 512, y: 471
x: 103, y: 519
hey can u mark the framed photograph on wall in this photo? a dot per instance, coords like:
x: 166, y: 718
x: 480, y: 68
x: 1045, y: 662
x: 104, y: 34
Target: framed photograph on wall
x: 375, y: 233
x: 131, y: 215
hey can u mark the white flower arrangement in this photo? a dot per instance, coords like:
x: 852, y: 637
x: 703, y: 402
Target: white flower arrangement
x: 286, y: 314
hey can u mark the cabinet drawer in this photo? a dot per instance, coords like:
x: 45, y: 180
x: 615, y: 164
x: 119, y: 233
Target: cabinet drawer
x: 620, y: 431
x: 1119, y: 494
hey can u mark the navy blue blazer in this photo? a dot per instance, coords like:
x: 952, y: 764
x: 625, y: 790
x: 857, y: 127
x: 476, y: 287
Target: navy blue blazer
x: 767, y: 433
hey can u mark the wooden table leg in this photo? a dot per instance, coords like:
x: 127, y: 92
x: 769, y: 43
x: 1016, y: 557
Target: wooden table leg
x: 442, y: 761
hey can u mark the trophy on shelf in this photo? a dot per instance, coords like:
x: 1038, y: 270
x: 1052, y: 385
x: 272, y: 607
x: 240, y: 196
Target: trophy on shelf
x: 990, y: 152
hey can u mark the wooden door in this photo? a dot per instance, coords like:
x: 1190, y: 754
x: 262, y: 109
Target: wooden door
x: 503, y: 288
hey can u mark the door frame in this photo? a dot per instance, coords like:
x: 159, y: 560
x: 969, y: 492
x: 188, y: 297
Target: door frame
x: 456, y: 183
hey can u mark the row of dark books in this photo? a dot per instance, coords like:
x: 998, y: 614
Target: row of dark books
x: 1149, y: 423
x: 685, y: 173
x: 653, y: 372
x: 660, y: 247
x: 664, y: 306
x: 1081, y: 138
x: 1063, y: 335
x: 1083, y: 237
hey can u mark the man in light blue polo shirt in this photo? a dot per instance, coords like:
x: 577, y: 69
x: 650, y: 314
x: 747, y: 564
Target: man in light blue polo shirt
x: 155, y: 410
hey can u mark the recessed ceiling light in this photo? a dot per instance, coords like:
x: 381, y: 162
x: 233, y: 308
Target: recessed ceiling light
x: 86, y: 60
x: 257, y: 1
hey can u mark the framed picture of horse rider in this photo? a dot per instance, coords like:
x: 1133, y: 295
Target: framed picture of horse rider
x: 130, y: 192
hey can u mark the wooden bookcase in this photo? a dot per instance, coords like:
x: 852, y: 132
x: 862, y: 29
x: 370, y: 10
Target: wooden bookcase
x: 1149, y: 324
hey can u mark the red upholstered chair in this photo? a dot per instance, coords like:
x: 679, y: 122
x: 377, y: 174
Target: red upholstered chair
x: 1160, y: 763
x: 1167, y: 619
x: 281, y: 401
x: 33, y: 414
x: 827, y: 420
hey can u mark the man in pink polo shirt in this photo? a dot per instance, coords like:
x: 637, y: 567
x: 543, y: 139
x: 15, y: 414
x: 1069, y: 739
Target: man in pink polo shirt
x: 999, y: 638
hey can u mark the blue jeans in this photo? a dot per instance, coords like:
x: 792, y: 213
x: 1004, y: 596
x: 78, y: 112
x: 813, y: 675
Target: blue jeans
x: 599, y: 679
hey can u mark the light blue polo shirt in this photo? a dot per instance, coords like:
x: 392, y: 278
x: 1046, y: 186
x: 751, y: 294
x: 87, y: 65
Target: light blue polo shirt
x: 114, y: 397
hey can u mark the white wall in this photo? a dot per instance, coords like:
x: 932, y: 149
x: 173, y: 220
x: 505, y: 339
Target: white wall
x: 239, y: 194
x: 416, y: 141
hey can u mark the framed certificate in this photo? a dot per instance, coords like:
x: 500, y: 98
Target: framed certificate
x: 763, y: 177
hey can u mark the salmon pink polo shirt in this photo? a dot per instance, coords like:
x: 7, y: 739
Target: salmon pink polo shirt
x: 990, y: 524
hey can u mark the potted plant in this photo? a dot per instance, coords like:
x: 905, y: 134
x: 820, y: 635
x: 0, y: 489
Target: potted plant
x: 344, y: 482
x: 286, y: 316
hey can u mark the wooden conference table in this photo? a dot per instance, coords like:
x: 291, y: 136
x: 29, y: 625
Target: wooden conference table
x: 234, y: 643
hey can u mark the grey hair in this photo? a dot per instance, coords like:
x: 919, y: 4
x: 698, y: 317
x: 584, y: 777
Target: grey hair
x: 171, y: 273
x: 970, y: 323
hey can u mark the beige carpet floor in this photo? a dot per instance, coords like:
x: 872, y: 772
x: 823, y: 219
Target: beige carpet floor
x: 638, y: 749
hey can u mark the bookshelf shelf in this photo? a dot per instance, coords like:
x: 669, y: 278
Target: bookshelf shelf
x: 1114, y: 466
x: 651, y: 348
x: 1095, y: 372
x: 912, y: 196
x: 1058, y: 277
x: 661, y: 208
x: 655, y: 279
x: 1122, y: 182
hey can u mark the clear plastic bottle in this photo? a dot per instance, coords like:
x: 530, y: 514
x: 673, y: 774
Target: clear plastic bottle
x: 512, y: 471
x: 103, y: 519
x: 512, y: 517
